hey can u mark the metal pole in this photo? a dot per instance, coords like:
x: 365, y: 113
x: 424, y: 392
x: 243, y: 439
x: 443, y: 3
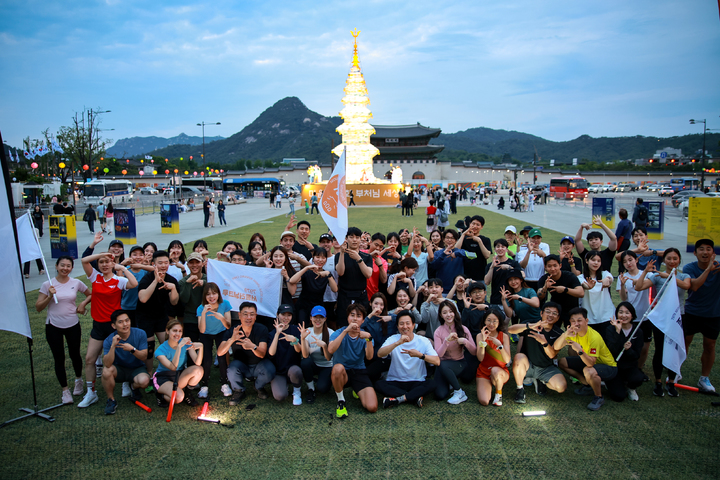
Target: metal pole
x: 702, y: 166
x: 203, y: 155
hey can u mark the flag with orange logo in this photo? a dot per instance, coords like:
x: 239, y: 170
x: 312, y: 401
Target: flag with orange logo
x: 333, y: 205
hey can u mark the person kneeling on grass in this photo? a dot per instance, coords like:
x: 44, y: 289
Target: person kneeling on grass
x: 593, y: 363
x: 617, y: 337
x: 172, y: 362
x: 350, y: 346
x: 316, y: 356
x: 249, y: 346
x: 407, y: 378
x: 284, y: 350
x: 124, y: 354
x: 534, y: 363
x: 493, y: 351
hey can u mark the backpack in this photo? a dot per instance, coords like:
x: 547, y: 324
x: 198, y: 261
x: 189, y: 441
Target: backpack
x: 642, y: 214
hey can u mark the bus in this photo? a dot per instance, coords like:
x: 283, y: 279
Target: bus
x: 214, y: 185
x: 569, y: 187
x: 96, y: 191
x: 253, y: 187
x: 679, y: 184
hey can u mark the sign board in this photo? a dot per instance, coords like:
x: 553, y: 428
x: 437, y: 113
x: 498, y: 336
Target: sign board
x: 703, y: 221
x: 125, y: 227
x: 605, y: 207
x: 169, y: 218
x: 656, y: 220
x: 663, y: 155
x: 63, y: 236
x: 365, y: 194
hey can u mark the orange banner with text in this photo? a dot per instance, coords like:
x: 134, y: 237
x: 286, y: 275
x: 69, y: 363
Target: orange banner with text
x: 363, y: 194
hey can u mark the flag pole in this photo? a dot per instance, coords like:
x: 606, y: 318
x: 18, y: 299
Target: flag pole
x: 647, y: 312
x: 42, y: 256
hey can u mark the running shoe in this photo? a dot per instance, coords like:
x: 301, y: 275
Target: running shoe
x: 310, y: 396
x: 705, y: 386
x: 658, y: 390
x: 632, y: 395
x: 262, y: 393
x: 189, y: 398
x: 203, y: 393
x: 520, y: 395
x: 126, y: 389
x: 596, y: 403
x: 98, y: 371
x: 90, y: 398
x: 672, y: 391
x: 585, y: 390
x: 79, y: 387
x: 419, y: 402
x: 110, y: 407
x: 540, y: 388
x: 161, y: 402
x: 237, y: 397
x: 297, y: 399
x: 341, y: 411
x: 226, y: 390
x: 136, y: 395
x: 498, y: 400
x: 458, y: 397
x: 67, y: 397
x: 390, y: 402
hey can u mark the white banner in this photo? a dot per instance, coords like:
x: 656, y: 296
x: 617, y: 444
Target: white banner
x: 13, y: 305
x: 333, y: 205
x: 239, y: 283
x: 29, y: 248
x: 666, y: 317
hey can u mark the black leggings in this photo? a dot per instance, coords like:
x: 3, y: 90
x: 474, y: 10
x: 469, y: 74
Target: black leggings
x: 54, y: 337
x: 207, y: 360
x: 657, y: 364
x: 310, y: 369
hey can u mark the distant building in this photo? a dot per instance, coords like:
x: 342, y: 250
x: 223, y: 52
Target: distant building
x: 669, y: 153
x: 405, y: 144
x: 292, y: 160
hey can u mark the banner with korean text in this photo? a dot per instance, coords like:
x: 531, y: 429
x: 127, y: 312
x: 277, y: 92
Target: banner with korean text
x: 240, y: 283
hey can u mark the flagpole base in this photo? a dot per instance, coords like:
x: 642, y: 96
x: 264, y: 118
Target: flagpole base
x: 33, y: 413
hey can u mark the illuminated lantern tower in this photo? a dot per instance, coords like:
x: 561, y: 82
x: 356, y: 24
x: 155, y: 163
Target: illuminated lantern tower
x: 355, y: 129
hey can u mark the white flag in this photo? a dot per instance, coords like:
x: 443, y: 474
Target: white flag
x: 13, y: 304
x: 29, y: 248
x: 666, y: 317
x: 148, y: 157
x: 333, y: 205
x: 241, y: 283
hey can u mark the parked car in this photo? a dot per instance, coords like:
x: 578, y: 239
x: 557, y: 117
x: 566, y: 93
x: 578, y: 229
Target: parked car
x: 653, y: 187
x: 666, y: 191
x: 625, y: 187
x: 607, y: 187
x: 595, y: 188
x: 679, y: 197
x: 148, y: 191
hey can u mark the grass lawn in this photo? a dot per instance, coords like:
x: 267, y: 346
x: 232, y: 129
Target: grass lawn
x: 653, y: 438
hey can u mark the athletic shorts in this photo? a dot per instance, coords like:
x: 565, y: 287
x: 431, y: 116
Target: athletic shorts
x: 708, y: 326
x: 606, y: 372
x: 542, y: 374
x: 101, y: 330
x: 152, y: 326
x: 646, y: 328
x: 128, y: 374
x: 484, y: 372
x: 162, y: 377
x: 358, y: 379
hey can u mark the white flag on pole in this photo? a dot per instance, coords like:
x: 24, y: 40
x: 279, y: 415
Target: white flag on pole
x: 13, y: 305
x: 333, y: 206
x: 29, y: 248
x: 241, y: 283
x: 667, y: 318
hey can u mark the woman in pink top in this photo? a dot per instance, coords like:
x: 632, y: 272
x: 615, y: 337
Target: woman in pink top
x: 62, y: 324
x: 451, y: 341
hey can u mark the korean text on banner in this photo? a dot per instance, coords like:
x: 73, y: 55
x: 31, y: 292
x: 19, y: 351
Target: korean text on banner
x: 333, y: 205
x: 666, y: 316
x: 241, y: 283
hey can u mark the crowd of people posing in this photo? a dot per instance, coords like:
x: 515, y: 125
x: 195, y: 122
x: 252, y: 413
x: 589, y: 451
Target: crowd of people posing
x: 398, y: 315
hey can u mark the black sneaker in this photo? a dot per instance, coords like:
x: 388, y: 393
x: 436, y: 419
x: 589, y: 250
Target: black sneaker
x: 585, y: 390
x: 658, y: 390
x: 390, y: 402
x: 262, y: 393
x: 672, y: 391
x: 310, y: 396
x: 189, y: 398
x: 110, y: 407
x: 236, y: 397
x: 540, y: 388
x: 645, y: 377
x: 520, y: 395
x: 161, y: 402
x: 136, y: 395
x: 419, y: 402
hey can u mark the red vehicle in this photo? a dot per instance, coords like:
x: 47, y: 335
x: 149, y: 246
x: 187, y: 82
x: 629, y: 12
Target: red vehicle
x: 569, y: 187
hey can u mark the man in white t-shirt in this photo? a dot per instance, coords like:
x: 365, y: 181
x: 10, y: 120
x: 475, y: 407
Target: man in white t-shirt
x: 531, y: 257
x: 407, y: 378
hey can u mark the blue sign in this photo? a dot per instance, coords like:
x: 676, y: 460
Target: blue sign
x: 169, y: 218
x: 656, y: 220
x: 605, y: 207
x: 125, y: 228
x: 663, y: 155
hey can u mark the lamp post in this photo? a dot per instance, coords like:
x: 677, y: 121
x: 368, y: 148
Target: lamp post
x: 202, y: 124
x: 90, y: 135
x: 702, y: 159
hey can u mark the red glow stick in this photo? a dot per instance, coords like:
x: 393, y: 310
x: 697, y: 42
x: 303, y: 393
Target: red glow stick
x: 144, y: 407
x: 204, y: 410
x: 687, y: 387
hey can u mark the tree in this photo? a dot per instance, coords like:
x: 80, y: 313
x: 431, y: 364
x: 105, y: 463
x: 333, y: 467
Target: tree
x: 82, y: 141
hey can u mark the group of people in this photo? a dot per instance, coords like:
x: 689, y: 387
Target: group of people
x: 399, y: 315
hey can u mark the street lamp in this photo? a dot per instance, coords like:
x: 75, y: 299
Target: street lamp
x: 702, y: 159
x: 202, y: 124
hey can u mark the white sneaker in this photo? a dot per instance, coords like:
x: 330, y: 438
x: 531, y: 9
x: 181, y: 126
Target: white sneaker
x: 498, y: 400
x: 67, y: 397
x: 79, y: 387
x: 203, y: 393
x: 226, y: 390
x: 297, y: 399
x: 90, y: 398
x: 458, y: 396
x: 126, y: 392
x: 98, y: 371
x: 632, y: 395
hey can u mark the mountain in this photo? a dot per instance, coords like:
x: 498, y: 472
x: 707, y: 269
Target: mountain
x: 128, y: 147
x: 288, y: 129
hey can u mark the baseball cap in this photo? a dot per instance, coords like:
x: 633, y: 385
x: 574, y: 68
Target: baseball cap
x: 136, y: 247
x: 515, y: 273
x: 286, y: 233
x: 195, y: 256
x: 526, y: 228
x: 568, y: 238
x: 510, y: 228
x: 285, y: 308
x: 325, y: 236
x: 535, y: 232
x: 318, y: 311
x: 117, y: 242
x: 477, y: 286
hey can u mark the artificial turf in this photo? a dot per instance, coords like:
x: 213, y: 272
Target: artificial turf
x: 653, y: 438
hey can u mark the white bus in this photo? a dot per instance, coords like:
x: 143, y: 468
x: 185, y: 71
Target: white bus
x: 96, y: 191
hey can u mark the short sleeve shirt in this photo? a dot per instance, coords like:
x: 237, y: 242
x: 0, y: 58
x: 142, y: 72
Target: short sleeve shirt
x: 107, y: 295
x: 705, y: 301
x: 137, y: 338
x: 316, y: 352
x: 63, y: 313
x: 475, y: 261
x: 157, y: 306
x: 214, y: 325
x: 165, y: 350
x: 566, y: 301
x: 594, y: 345
x: 351, y: 353
x: 353, y: 279
x: 130, y: 297
x: 258, y: 335
x: 403, y: 367
x: 534, y: 351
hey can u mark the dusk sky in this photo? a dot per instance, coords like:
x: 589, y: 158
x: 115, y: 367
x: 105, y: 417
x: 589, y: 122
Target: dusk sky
x: 555, y: 69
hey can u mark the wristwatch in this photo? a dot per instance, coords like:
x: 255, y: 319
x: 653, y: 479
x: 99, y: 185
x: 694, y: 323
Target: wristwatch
x: 360, y: 260
x: 544, y: 345
x: 423, y: 357
x: 133, y: 351
x: 254, y: 348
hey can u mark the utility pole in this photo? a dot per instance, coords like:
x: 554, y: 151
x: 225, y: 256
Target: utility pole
x: 204, y: 170
x: 702, y: 159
